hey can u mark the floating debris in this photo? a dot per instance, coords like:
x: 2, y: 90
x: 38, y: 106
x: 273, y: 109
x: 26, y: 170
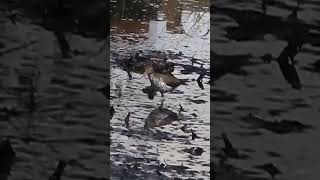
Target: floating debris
x: 195, y: 151
x: 181, y: 109
x: 194, y: 115
x: 199, y: 80
x: 197, y: 101
x: 184, y: 128
x: 161, y: 167
x: 112, y: 111
x: 126, y: 120
x: 118, y: 90
x: 194, y: 135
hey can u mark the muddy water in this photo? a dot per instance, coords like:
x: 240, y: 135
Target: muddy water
x: 265, y: 93
x: 137, y: 152
x: 66, y: 118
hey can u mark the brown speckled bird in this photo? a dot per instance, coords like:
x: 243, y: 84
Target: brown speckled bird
x: 163, y: 82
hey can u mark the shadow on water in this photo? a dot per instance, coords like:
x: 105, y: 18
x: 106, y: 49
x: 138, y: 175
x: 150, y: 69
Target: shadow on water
x: 160, y: 59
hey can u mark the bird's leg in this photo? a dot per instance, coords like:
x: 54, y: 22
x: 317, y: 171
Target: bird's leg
x: 129, y: 74
x: 161, y: 93
x: 161, y: 105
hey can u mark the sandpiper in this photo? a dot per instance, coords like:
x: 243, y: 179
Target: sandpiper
x: 138, y: 63
x: 163, y: 82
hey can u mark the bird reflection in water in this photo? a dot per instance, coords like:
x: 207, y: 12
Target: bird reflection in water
x: 160, y: 117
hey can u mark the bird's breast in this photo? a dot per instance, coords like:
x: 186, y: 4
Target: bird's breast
x: 159, y: 82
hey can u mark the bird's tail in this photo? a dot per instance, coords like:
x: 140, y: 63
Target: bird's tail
x: 183, y: 81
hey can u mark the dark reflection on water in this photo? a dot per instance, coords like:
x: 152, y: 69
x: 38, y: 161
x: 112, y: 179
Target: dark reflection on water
x: 266, y: 89
x: 160, y: 117
x: 156, y: 144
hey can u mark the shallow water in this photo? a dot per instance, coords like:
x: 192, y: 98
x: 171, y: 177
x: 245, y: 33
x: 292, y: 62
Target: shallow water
x: 265, y: 93
x: 137, y: 151
x: 68, y: 119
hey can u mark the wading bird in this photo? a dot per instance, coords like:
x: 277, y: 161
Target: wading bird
x: 163, y: 82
